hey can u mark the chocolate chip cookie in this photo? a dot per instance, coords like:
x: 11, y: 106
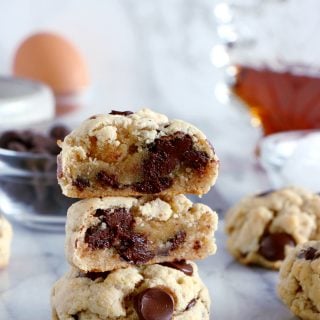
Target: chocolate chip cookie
x: 132, y: 154
x: 299, y: 285
x: 164, y: 292
x: 5, y: 241
x: 260, y: 228
x: 113, y: 232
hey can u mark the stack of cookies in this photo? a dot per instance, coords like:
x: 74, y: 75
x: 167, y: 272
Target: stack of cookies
x: 132, y: 236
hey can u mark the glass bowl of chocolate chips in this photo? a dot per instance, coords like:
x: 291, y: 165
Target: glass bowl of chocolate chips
x: 29, y: 192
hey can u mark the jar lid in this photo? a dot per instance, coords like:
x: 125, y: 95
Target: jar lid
x: 24, y: 102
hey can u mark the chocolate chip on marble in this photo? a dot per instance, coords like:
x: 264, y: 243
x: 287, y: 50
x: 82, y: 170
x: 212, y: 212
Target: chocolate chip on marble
x: 309, y: 254
x: 272, y: 245
x: 180, y: 265
x: 154, y: 304
x: 121, y: 113
x: 81, y: 183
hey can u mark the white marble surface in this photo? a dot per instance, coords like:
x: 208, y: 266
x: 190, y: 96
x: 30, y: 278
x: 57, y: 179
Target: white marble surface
x: 143, y: 53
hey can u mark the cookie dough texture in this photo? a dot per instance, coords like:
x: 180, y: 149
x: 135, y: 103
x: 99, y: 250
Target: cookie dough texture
x: 299, y: 283
x: 108, y: 298
x: 113, y: 232
x: 291, y: 212
x: 5, y: 241
x: 133, y: 154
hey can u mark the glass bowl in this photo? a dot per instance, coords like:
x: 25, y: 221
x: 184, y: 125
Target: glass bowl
x: 29, y: 191
x: 292, y: 158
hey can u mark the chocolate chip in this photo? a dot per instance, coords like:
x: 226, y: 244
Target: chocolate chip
x: 309, y: 254
x: 94, y: 275
x: 28, y: 141
x: 121, y: 113
x: 58, y: 132
x: 153, y: 186
x: 191, y: 304
x: 165, y: 155
x: 119, y: 220
x: 81, y: 183
x: 181, y: 265
x: 107, y: 180
x: 197, y: 245
x: 98, y: 238
x: 75, y: 316
x: 272, y: 245
x: 118, y: 233
x: 154, y: 304
x: 195, y: 159
x: 265, y: 193
x: 177, y: 240
x: 135, y: 249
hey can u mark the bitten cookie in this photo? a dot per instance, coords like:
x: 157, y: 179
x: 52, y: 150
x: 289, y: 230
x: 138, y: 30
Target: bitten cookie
x: 130, y: 154
x: 261, y: 227
x: 5, y: 241
x: 299, y: 285
x: 172, y: 292
x: 113, y: 232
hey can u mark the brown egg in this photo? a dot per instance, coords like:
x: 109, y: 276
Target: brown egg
x: 51, y: 59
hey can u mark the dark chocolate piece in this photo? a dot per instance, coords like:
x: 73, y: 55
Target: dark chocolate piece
x: 58, y: 132
x: 118, y: 233
x: 309, y: 254
x: 121, y: 113
x: 98, y: 238
x: 81, y: 183
x: 135, y: 249
x: 272, y: 245
x: 94, y: 275
x: 154, y: 304
x: 107, y: 180
x: 165, y: 154
x: 181, y: 265
x: 177, y: 240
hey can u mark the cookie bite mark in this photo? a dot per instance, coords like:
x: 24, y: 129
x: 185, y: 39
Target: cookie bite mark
x: 81, y: 183
x: 309, y: 254
x: 121, y: 113
x: 272, y: 245
x: 154, y: 303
